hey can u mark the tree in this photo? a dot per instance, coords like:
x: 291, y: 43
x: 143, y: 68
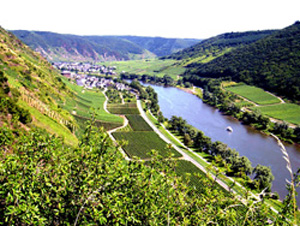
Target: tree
x: 187, y: 140
x: 202, y: 142
x: 160, y: 117
x: 241, y: 165
x: 263, y: 177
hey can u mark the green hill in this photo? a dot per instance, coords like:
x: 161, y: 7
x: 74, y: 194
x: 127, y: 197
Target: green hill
x: 30, y: 85
x: 161, y: 46
x: 214, y: 47
x: 64, y: 47
x: 272, y: 63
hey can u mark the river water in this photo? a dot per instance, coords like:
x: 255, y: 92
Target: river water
x: 259, y: 148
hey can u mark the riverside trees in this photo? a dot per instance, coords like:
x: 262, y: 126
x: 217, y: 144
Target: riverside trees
x: 239, y: 166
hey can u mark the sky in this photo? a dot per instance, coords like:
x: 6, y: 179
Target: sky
x: 164, y: 18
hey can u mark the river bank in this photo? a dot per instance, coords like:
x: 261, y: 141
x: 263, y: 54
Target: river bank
x: 258, y: 147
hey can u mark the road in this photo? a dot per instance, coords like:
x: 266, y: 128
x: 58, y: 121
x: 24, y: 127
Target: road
x: 185, y: 156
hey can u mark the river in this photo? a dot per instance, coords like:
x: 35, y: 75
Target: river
x: 259, y: 148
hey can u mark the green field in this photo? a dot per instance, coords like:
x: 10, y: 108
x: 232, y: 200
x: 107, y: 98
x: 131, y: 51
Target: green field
x: 137, y: 123
x: 257, y: 95
x: 140, y: 144
x: 149, y: 67
x: 287, y: 112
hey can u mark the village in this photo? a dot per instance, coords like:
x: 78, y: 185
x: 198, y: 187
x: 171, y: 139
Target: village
x: 76, y: 67
x: 89, y: 75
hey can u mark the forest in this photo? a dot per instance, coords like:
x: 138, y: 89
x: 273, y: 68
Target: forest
x: 272, y: 63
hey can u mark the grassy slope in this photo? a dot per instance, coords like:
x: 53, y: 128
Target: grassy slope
x: 287, y: 112
x: 27, y: 70
x: 254, y: 94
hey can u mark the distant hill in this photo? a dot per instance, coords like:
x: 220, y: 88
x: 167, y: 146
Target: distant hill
x: 64, y: 47
x: 161, y: 46
x: 214, y: 47
x: 272, y: 63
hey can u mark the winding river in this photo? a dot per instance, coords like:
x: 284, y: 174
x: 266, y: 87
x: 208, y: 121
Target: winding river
x: 259, y: 148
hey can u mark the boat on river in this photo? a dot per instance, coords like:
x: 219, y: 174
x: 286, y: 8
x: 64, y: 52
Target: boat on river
x: 229, y: 129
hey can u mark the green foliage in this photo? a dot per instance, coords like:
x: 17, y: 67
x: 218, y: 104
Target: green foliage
x: 113, y: 96
x: 271, y: 63
x: 263, y: 177
x: 214, y: 47
x: 44, y: 182
x: 8, y: 103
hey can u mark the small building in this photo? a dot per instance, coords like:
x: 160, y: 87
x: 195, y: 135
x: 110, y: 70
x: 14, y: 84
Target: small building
x: 67, y: 74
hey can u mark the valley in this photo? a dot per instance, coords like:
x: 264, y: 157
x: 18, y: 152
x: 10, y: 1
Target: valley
x: 62, y: 130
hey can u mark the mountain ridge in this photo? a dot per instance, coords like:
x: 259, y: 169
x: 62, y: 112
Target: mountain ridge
x: 68, y: 47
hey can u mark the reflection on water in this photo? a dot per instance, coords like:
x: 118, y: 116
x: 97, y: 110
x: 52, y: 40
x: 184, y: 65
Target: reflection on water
x: 258, y: 147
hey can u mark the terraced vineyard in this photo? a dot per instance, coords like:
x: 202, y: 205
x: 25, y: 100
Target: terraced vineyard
x: 139, y: 134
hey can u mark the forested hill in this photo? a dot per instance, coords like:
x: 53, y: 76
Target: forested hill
x: 213, y: 47
x: 272, y: 63
x: 63, y: 47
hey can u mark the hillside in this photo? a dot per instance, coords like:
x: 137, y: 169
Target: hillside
x: 214, y: 47
x: 161, y: 46
x: 272, y: 63
x: 64, y: 47
x: 30, y: 88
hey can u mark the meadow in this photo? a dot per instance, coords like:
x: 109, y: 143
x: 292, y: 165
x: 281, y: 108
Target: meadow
x: 140, y: 144
x: 151, y: 67
x: 287, y: 112
x: 254, y: 94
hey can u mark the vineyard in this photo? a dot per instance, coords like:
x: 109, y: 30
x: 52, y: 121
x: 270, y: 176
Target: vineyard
x: 140, y: 144
x: 137, y: 123
x: 123, y: 109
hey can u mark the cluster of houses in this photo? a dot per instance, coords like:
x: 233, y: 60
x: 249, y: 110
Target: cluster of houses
x: 72, y: 68
x: 81, y: 74
x: 90, y: 82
